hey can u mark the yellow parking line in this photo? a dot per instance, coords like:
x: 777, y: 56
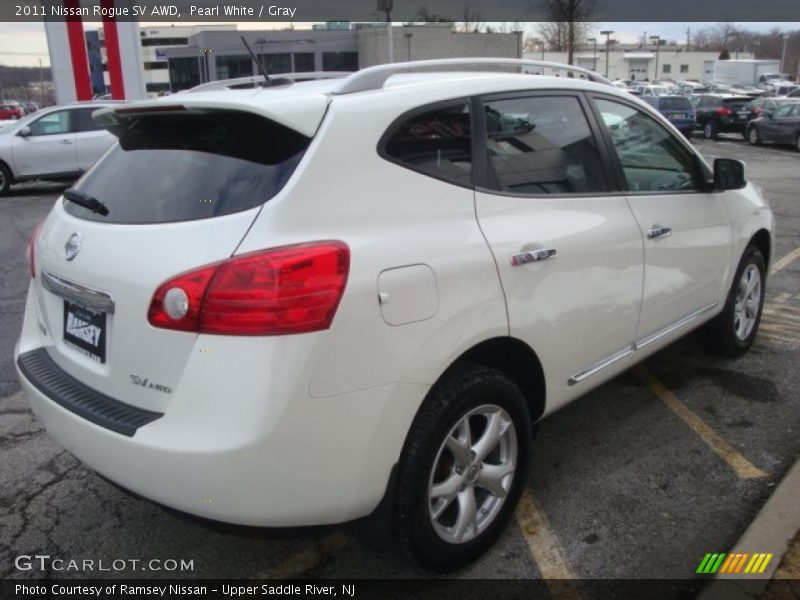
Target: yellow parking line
x: 786, y: 260
x: 302, y: 562
x: 744, y: 468
x: 545, y: 548
x: 782, y: 297
x: 780, y: 314
x: 778, y: 328
x: 777, y: 338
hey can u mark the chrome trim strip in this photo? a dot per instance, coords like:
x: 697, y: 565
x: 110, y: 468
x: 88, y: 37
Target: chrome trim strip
x: 94, y: 299
x: 607, y: 362
x: 670, y: 328
x: 597, y: 367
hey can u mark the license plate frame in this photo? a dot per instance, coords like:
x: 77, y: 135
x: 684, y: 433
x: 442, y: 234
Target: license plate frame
x: 85, y: 330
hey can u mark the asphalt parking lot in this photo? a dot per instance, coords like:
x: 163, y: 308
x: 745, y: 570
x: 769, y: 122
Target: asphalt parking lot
x: 639, y: 479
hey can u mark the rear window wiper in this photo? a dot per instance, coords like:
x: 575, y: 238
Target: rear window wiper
x: 86, y: 201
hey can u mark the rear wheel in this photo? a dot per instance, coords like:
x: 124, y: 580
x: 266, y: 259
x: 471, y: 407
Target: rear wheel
x: 463, y: 468
x: 753, y: 136
x: 732, y: 332
x: 5, y: 179
x: 710, y: 131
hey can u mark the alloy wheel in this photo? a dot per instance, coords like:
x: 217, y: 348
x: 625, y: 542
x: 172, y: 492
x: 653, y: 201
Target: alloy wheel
x: 753, y: 136
x: 472, y: 474
x: 748, y: 302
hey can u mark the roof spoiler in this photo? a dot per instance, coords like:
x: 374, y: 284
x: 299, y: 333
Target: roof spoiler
x: 257, y: 80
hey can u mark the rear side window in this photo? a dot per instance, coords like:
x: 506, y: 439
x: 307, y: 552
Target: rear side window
x: 676, y: 104
x: 182, y: 167
x: 542, y: 145
x: 435, y: 142
x: 84, y: 122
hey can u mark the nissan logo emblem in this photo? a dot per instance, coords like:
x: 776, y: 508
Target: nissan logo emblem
x: 73, y: 246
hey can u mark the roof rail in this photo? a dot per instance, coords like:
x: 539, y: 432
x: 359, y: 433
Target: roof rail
x: 373, y: 78
x: 255, y: 80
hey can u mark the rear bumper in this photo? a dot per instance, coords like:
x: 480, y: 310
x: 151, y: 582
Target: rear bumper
x: 241, y: 446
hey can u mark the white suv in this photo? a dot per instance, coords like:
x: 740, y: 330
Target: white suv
x: 308, y: 303
x: 56, y: 143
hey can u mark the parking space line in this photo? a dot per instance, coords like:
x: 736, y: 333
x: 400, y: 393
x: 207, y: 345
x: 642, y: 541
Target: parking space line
x: 544, y: 548
x: 300, y: 563
x: 777, y: 338
x: 779, y: 328
x: 786, y: 260
x: 744, y: 468
x: 781, y: 314
x: 782, y: 297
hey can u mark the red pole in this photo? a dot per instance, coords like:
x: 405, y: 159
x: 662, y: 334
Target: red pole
x: 77, y: 52
x: 113, y: 56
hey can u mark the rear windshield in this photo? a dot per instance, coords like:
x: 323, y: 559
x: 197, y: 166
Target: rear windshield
x: 680, y: 103
x: 182, y: 167
x: 735, y: 102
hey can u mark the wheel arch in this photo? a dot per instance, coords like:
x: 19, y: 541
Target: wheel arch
x: 762, y: 240
x: 517, y: 360
x: 5, y: 164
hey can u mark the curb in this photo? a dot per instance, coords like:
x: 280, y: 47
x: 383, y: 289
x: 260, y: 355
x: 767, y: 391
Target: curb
x: 771, y: 531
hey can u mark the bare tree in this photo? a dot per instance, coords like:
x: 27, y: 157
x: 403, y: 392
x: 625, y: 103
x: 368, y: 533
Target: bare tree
x: 568, y: 22
x: 471, y: 20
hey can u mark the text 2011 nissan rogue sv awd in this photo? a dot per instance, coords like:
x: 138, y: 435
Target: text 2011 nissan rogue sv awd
x: 290, y: 305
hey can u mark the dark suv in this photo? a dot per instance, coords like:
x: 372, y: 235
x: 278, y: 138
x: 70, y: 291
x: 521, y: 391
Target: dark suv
x: 722, y: 113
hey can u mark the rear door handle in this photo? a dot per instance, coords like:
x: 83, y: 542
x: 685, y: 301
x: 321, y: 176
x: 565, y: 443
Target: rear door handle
x: 523, y: 258
x: 657, y: 231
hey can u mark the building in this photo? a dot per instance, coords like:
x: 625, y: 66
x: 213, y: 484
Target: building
x: 668, y: 61
x: 211, y: 55
x: 154, y: 41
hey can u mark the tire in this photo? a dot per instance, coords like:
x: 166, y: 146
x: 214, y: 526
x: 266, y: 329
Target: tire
x: 710, y: 130
x: 797, y: 143
x: 455, y: 406
x: 731, y: 333
x: 5, y: 179
x: 754, y: 137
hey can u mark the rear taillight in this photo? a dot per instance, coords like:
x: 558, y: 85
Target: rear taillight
x: 724, y: 111
x: 291, y: 289
x: 756, y: 111
x: 31, y: 250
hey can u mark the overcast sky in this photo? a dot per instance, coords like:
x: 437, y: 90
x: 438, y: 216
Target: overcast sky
x: 25, y: 44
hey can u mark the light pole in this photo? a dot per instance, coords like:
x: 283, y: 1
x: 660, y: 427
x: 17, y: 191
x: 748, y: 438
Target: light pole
x: 386, y: 6
x: 408, y: 40
x: 607, y: 33
x: 783, y: 53
x: 657, y: 40
x: 594, y: 59
x: 542, y: 43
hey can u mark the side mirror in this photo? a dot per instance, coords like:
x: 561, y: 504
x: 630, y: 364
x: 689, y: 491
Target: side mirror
x: 729, y: 174
x: 24, y: 131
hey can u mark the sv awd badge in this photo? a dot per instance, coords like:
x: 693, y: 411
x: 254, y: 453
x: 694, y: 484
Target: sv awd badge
x: 146, y: 383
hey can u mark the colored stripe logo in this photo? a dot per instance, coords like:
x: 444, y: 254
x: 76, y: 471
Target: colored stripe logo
x: 734, y: 563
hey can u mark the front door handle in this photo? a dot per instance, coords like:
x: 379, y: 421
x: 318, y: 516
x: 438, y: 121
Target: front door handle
x: 523, y: 258
x: 65, y: 141
x: 657, y: 231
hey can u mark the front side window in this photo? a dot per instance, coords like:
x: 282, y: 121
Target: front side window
x: 436, y: 142
x: 542, y: 145
x: 652, y: 158
x: 783, y: 111
x: 54, y: 123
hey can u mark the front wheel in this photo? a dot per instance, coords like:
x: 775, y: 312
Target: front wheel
x: 732, y: 332
x: 797, y: 143
x: 710, y: 131
x: 463, y: 468
x: 5, y: 179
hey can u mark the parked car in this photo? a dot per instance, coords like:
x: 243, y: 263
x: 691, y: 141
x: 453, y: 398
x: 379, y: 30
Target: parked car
x: 721, y: 113
x: 57, y: 143
x: 654, y: 90
x: 687, y: 88
x: 794, y: 93
x: 677, y: 109
x: 762, y: 107
x: 11, y: 110
x: 781, y: 126
x: 350, y: 320
x: 28, y: 106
